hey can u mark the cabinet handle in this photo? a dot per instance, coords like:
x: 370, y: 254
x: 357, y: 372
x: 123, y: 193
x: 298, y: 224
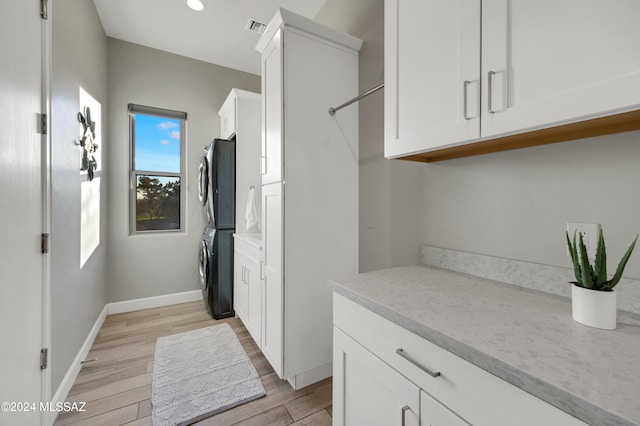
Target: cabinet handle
x: 465, y: 99
x: 247, y: 276
x: 404, y: 414
x: 490, y: 75
x: 243, y: 271
x: 263, y: 165
x: 404, y: 355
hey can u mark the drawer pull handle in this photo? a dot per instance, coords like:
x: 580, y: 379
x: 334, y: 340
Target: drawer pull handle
x: 404, y: 414
x: 404, y: 355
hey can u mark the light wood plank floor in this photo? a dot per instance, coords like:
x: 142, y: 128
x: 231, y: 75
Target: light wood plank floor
x: 117, y: 387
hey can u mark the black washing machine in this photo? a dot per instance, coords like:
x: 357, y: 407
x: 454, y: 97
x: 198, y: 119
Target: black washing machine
x: 216, y: 272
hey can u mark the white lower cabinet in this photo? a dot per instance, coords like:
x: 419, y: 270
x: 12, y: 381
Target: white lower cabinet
x: 380, y: 368
x: 366, y: 391
x: 432, y: 413
x: 247, y: 287
x: 272, y: 248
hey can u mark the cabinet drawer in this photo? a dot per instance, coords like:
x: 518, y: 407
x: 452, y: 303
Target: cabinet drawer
x: 473, y: 393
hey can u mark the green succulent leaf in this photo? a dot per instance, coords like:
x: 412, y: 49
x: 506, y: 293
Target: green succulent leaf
x: 587, y: 271
x: 573, y: 251
x: 600, y: 267
x: 623, y: 263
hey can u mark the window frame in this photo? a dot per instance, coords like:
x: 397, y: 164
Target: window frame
x: 134, y: 109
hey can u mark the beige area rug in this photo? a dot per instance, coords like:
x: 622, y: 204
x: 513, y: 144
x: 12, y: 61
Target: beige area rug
x: 201, y: 373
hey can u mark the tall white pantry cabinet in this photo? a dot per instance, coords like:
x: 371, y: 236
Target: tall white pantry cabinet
x: 309, y: 169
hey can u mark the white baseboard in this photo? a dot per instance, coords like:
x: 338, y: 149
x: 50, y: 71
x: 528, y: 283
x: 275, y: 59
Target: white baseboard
x: 310, y: 377
x: 109, y: 309
x: 154, y: 302
x: 70, y: 378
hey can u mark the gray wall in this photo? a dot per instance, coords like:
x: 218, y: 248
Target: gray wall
x: 516, y: 204
x: 151, y: 265
x: 390, y: 191
x: 77, y: 293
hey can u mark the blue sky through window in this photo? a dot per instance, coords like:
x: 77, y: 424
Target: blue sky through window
x: 157, y: 142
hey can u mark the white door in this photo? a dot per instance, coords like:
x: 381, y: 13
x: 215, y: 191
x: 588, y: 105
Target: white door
x: 366, y: 391
x: 551, y: 62
x: 435, y: 414
x: 432, y: 74
x: 23, y: 210
x: 271, y: 160
x: 272, y: 257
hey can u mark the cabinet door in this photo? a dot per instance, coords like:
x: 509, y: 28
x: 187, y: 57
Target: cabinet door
x: 272, y: 233
x: 366, y: 391
x: 272, y: 71
x: 435, y: 414
x: 254, y: 308
x: 432, y: 74
x: 552, y: 62
x: 227, y: 115
x: 240, y: 288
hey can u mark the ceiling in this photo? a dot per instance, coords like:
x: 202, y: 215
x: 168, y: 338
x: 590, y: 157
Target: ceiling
x: 216, y: 35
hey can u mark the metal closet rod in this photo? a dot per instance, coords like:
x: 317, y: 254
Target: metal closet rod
x: 332, y: 111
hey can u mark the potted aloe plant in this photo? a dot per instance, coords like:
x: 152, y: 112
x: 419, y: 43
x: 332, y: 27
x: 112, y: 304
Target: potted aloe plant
x: 593, y: 301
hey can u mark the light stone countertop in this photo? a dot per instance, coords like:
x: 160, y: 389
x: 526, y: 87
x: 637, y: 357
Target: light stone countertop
x: 525, y: 337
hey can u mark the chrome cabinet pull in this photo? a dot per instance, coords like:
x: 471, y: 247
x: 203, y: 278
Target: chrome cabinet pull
x: 404, y: 355
x: 263, y: 165
x: 465, y: 100
x: 490, y: 75
x: 247, y: 277
x: 404, y: 414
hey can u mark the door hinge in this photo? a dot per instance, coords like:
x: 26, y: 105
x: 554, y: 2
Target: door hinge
x: 43, y: 124
x: 44, y: 243
x: 44, y: 358
x: 43, y: 9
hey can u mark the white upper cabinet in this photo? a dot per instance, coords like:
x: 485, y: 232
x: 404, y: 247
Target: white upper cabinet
x: 432, y: 74
x: 227, y: 115
x: 272, y: 88
x: 471, y: 71
x: 555, y: 62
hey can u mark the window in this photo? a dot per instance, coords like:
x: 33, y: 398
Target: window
x: 157, y: 139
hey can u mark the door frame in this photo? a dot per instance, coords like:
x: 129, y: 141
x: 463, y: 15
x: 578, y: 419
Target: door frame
x: 47, y: 417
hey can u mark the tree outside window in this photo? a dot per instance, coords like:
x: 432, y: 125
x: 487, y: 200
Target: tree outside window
x: 157, y: 143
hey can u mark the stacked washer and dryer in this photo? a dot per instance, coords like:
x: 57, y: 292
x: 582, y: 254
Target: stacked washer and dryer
x: 217, y: 194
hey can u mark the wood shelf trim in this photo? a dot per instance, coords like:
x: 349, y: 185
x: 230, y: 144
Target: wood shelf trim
x: 608, y: 125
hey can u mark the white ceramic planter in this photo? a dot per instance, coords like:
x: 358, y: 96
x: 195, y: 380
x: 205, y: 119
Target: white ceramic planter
x: 594, y: 308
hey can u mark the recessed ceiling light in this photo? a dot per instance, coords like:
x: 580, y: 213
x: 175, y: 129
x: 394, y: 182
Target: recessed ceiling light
x: 196, y: 5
